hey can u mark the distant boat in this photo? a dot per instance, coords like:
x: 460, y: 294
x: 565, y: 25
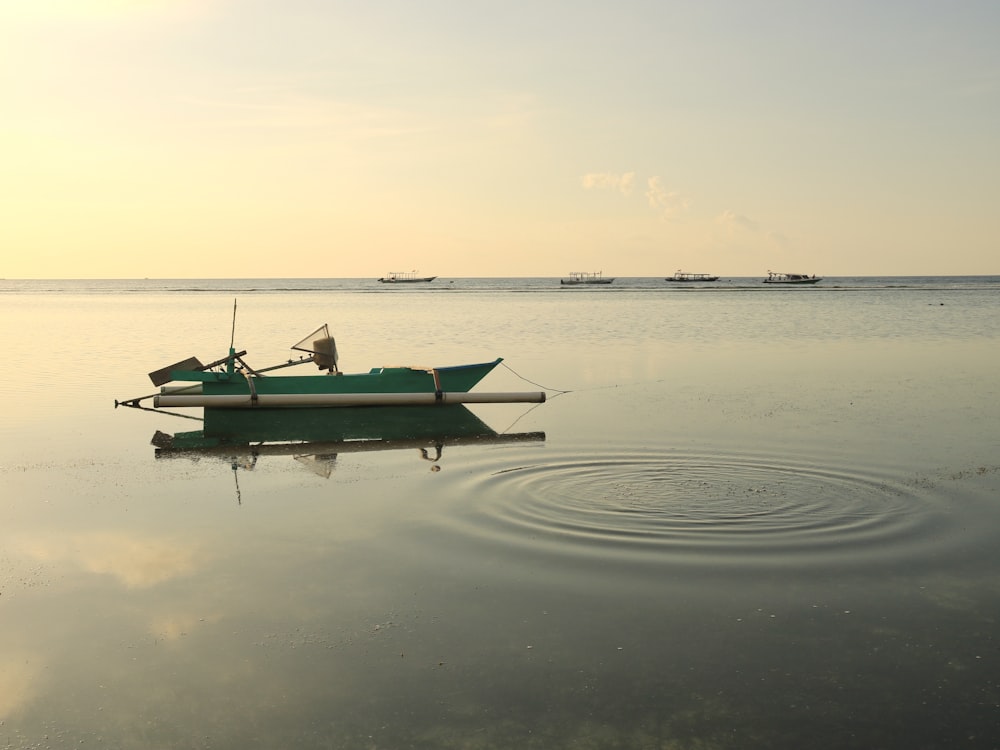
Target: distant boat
x: 580, y: 277
x: 399, y: 277
x: 681, y: 276
x: 774, y: 277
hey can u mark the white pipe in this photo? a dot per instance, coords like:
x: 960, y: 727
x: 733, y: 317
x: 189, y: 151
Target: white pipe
x: 174, y: 390
x: 346, y: 399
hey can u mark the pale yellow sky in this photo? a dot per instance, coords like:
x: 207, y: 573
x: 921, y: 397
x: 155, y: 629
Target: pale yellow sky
x: 316, y: 138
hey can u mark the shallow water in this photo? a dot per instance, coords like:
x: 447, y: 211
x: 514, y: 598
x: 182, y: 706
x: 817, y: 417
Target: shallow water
x: 744, y: 518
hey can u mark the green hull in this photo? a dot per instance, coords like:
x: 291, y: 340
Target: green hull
x: 456, y: 379
x: 231, y: 383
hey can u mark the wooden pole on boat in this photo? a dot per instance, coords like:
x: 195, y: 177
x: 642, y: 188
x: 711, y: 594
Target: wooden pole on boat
x: 232, y: 336
x: 271, y: 400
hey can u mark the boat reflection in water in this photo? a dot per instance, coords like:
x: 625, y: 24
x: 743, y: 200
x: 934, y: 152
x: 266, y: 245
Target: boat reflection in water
x: 315, y: 436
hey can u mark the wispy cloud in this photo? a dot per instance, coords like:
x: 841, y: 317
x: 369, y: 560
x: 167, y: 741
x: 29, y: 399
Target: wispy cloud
x: 623, y: 183
x: 668, y: 203
x: 735, y: 224
x: 776, y: 238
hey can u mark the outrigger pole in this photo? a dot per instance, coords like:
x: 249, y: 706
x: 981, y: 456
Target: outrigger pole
x: 264, y: 400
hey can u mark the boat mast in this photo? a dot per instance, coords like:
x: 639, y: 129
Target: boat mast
x: 230, y: 365
x: 232, y: 336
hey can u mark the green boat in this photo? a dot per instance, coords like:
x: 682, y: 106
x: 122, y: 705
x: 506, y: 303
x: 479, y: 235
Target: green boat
x: 231, y: 383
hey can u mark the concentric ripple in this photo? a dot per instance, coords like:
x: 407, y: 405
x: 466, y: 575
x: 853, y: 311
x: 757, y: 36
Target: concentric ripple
x: 701, y: 508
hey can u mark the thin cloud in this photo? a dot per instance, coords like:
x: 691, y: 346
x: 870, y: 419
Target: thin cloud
x: 622, y: 183
x: 667, y: 203
x: 734, y: 222
x: 777, y: 239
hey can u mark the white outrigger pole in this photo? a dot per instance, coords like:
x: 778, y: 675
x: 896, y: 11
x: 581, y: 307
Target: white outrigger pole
x: 345, y: 399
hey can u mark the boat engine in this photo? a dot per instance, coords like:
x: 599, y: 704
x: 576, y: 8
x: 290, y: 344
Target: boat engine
x: 321, y: 348
x: 325, y: 353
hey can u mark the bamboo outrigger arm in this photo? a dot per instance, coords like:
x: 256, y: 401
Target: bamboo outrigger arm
x: 264, y: 400
x: 164, y: 375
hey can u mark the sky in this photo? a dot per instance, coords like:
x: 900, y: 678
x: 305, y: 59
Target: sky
x: 334, y: 139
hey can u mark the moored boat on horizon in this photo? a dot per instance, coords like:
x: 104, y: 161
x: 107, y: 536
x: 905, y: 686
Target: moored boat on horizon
x: 584, y: 277
x: 773, y: 277
x: 405, y: 277
x: 681, y: 276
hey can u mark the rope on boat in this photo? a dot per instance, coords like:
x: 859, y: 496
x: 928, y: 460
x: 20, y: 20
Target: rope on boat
x: 545, y: 388
x: 557, y: 391
x: 560, y: 392
x: 134, y: 404
x: 523, y: 415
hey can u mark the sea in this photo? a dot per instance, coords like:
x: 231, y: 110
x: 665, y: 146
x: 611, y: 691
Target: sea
x: 745, y: 516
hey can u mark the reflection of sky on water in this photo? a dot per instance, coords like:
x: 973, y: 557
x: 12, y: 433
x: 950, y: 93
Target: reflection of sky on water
x: 135, y: 562
x: 513, y: 598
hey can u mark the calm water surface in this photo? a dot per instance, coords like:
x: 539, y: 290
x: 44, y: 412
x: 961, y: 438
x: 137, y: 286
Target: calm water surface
x: 745, y: 518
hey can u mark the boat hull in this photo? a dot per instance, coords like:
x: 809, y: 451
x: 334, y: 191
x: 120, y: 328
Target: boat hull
x: 456, y: 379
x: 381, y: 386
